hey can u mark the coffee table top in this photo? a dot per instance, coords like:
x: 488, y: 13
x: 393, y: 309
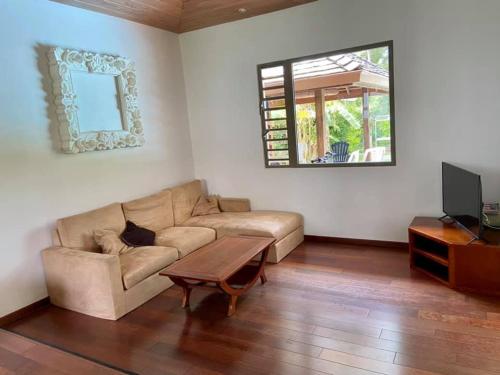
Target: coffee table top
x: 218, y: 260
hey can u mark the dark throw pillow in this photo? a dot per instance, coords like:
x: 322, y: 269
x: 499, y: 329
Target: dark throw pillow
x: 134, y: 235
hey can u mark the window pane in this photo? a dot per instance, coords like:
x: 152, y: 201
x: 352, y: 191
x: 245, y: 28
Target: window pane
x: 277, y: 145
x: 277, y: 124
x: 272, y: 82
x: 277, y: 134
x: 274, y: 103
x: 276, y: 163
x: 275, y: 114
x: 277, y: 155
x: 343, y: 108
x: 272, y: 72
x: 273, y: 92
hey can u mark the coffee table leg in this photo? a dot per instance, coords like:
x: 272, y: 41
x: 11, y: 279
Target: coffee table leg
x: 186, y: 288
x: 185, y: 298
x: 235, y: 292
x: 232, y: 305
x: 263, y: 259
x: 263, y: 277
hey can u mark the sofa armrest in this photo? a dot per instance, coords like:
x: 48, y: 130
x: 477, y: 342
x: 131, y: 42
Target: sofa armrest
x: 234, y: 204
x: 83, y: 281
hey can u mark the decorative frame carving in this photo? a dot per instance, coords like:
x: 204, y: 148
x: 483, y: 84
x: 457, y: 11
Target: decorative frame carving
x: 62, y: 61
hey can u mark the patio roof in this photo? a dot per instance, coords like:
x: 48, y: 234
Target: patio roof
x: 347, y: 62
x: 341, y: 76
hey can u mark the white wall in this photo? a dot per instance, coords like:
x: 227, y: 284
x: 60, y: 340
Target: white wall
x: 447, y: 93
x: 447, y: 98
x: 39, y: 184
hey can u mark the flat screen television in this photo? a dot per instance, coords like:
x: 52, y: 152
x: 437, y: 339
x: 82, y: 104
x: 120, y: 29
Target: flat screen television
x: 462, y: 198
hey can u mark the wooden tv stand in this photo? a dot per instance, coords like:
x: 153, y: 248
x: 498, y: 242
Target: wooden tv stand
x: 445, y: 252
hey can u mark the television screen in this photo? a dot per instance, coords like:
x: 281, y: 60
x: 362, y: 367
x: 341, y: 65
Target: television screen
x: 462, y: 197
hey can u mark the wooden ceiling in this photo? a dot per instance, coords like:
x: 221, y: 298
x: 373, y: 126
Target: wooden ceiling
x: 184, y: 15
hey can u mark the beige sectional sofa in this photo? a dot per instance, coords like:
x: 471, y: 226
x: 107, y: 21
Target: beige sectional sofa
x: 83, y: 279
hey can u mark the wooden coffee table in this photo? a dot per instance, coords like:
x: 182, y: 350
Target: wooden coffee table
x: 225, y: 264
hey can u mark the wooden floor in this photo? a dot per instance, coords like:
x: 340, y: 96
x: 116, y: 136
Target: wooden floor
x: 19, y: 355
x: 334, y: 309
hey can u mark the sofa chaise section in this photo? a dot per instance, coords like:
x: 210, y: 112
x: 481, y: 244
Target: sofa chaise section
x: 286, y: 227
x: 237, y: 218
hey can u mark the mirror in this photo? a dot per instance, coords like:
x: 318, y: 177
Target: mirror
x: 96, y: 101
x: 99, y: 107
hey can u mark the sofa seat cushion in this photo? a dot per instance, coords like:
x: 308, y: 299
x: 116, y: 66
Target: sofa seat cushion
x: 185, y: 239
x: 141, y: 262
x: 275, y: 224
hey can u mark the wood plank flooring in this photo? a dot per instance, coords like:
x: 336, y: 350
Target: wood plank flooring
x: 19, y: 355
x: 327, y: 309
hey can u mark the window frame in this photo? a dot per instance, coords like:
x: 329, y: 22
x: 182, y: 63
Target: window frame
x: 289, y: 94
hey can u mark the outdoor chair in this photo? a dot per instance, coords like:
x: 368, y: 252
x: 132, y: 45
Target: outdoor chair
x: 340, y: 152
x: 354, y: 157
x: 374, y: 154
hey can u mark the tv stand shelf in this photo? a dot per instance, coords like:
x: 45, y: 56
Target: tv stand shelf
x: 449, y: 254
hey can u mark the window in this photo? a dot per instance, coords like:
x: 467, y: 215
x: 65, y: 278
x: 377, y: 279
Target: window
x: 332, y: 109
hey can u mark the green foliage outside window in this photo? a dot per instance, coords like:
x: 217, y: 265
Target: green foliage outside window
x: 345, y: 122
x: 307, y: 138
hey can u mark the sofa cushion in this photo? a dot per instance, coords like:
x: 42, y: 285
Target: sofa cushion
x: 137, y: 236
x: 275, y: 224
x: 141, y: 262
x: 184, y: 198
x: 153, y: 212
x: 234, y: 204
x: 77, y: 231
x: 185, y: 239
x: 110, y: 242
x: 206, y: 206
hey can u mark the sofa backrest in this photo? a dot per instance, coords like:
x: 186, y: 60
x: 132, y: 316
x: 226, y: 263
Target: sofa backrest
x: 153, y: 212
x: 78, y: 231
x: 184, y: 198
x: 167, y: 208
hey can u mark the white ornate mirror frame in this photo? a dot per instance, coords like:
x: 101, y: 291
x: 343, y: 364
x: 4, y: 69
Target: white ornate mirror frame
x: 62, y: 61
